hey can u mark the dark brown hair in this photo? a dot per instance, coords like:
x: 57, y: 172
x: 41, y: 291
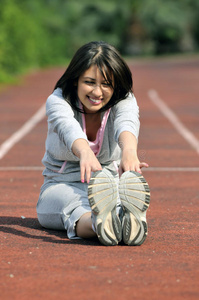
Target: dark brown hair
x: 109, y: 62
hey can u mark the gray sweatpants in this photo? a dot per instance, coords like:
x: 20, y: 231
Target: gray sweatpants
x: 61, y: 205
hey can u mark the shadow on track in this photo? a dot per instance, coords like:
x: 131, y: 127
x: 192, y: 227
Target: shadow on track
x: 11, y: 225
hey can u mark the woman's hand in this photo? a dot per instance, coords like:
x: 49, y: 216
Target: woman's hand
x: 130, y: 162
x: 88, y: 161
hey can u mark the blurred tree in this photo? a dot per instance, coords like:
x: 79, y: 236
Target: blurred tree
x: 87, y: 20
x: 160, y: 26
x: 35, y: 33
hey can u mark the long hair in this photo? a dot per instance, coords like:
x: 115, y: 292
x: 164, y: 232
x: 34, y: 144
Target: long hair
x: 109, y: 62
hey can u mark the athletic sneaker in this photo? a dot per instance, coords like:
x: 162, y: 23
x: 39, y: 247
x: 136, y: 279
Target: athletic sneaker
x: 135, y: 197
x: 102, y: 196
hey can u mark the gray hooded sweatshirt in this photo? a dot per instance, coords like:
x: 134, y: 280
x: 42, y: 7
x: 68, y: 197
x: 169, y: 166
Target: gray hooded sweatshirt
x: 65, y: 125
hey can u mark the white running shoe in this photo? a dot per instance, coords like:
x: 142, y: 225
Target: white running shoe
x: 102, y: 196
x: 135, y: 197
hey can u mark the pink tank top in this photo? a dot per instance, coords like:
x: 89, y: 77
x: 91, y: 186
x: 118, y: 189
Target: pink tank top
x: 97, y: 144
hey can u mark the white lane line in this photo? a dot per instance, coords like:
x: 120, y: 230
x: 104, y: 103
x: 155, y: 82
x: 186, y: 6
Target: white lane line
x: 172, y: 117
x: 171, y: 169
x: 150, y: 169
x: 25, y: 129
x: 28, y: 168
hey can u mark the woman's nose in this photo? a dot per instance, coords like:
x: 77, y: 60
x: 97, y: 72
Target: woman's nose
x: 97, y: 90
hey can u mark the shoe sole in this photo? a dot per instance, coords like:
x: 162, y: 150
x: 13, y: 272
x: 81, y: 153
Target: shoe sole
x: 135, y: 198
x: 102, y: 196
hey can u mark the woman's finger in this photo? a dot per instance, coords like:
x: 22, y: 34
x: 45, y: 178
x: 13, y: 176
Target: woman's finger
x: 82, y: 173
x: 88, y: 174
x: 143, y: 164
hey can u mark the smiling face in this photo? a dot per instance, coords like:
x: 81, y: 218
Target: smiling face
x: 93, y: 90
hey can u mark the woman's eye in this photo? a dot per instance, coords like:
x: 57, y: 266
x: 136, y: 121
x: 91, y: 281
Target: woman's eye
x: 93, y: 83
x: 89, y: 82
x: 106, y: 84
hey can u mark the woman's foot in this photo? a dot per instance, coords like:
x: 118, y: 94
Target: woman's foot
x: 102, y: 196
x: 135, y: 197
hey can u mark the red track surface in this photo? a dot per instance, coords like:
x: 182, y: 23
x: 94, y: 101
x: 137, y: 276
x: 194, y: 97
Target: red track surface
x: 41, y: 264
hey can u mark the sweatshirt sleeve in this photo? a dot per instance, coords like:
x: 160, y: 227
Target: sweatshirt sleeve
x: 127, y: 117
x: 61, y: 120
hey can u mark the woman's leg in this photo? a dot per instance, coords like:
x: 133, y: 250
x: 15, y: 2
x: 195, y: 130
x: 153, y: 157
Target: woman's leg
x: 62, y: 205
x: 84, y: 226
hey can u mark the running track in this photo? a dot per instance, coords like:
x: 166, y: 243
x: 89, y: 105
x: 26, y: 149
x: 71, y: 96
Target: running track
x: 43, y: 264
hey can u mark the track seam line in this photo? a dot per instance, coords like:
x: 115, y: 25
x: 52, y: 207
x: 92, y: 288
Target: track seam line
x: 172, y: 169
x: 174, y: 120
x: 24, y: 130
x: 150, y: 169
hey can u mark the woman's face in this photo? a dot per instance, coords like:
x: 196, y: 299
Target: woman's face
x: 93, y: 90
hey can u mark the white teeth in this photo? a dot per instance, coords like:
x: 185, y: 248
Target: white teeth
x: 94, y: 100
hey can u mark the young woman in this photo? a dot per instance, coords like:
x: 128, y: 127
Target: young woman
x: 92, y: 179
